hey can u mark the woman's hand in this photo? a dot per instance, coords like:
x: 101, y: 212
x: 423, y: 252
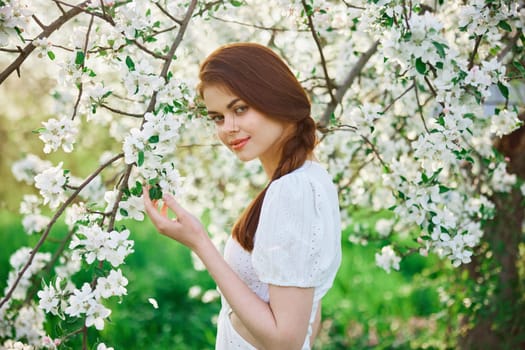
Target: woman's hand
x: 185, y: 228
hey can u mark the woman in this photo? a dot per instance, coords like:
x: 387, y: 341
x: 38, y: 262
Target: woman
x: 285, y: 248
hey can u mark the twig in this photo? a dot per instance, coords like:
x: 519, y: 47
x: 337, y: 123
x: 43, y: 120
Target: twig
x: 397, y: 98
x: 353, y: 6
x: 429, y: 84
x: 374, y: 149
x: 474, y: 52
x: 117, y: 111
x: 273, y: 29
x: 208, y: 6
x: 122, y: 187
x: 164, y: 11
x: 82, y: 66
x: 329, y: 84
x: 52, y: 222
x: 40, y: 24
x: 419, y: 108
x: 509, y: 47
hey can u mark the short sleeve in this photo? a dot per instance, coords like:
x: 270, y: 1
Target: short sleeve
x: 294, y: 242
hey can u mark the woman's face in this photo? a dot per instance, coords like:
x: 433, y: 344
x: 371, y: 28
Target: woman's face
x: 245, y: 131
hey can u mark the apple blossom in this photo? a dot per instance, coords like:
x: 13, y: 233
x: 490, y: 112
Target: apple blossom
x: 387, y: 259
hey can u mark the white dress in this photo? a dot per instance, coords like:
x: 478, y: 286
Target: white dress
x: 297, y: 243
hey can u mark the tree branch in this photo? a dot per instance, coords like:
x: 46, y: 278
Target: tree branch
x: 15, y: 65
x: 398, y: 97
x: 419, y: 108
x: 164, y: 11
x: 474, y: 52
x: 85, y: 49
x: 509, y: 47
x: 114, y: 110
x: 52, y: 222
x: 329, y: 84
x: 273, y: 29
x: 341, y: 90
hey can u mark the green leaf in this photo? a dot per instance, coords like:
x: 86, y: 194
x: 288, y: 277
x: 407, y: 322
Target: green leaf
x: 130, y: 64
x: 137, y: 190
x: 333, y: 120
x: 153, y: 139
x: 443, y: 189
x: 39, y: 130
x: 421, y: 66
x: 155, y: 192
x: 440, y: 48
x: 519, y: 66
x: 236, y: 3
x: 504, y: 90
x: 140, y: 161
x: 79, y: 59
x: 505, y: 26
x: 51, y: 55
x: 123, y: 212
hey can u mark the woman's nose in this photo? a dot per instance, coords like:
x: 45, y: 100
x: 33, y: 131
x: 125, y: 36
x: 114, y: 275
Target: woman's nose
x: 230, y: 124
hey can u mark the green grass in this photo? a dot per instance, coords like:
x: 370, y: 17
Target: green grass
x: 366, y: 308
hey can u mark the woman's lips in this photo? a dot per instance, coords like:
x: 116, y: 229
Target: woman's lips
x: 239, y: 143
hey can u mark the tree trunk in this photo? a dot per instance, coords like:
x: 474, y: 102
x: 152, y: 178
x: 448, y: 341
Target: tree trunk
x: 501, y: 325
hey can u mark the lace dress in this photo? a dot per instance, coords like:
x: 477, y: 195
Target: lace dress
x: 297, y: 243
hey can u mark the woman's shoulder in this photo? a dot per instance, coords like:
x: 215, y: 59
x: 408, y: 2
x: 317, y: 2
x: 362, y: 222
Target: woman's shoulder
x: 311, y: 175
x: 309, y: 172
x: 309, y: 182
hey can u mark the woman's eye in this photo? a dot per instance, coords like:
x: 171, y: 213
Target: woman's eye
x: 240, y: 109
x: 217, y: 119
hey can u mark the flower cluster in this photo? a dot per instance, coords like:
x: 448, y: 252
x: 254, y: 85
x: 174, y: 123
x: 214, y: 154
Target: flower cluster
x: 58, y: 133
x: 17, y: 262
x: 93, y: 243
x: 26, y: 322
x: 152, y: 148
x: 33, y: 220
x: 14, y: 16
x: 26, y: 168
x: 59, y: 300
x: 387, y: 259
x: 51, y: 183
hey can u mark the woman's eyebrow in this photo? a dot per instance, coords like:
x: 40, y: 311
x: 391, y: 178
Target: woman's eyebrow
x: 228, y: 106
x: 232, y: 102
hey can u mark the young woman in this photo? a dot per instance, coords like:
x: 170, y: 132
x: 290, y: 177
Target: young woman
x: 285, y: 249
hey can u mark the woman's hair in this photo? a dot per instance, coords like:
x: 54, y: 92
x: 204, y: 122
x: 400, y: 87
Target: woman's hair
x: 261, y: 79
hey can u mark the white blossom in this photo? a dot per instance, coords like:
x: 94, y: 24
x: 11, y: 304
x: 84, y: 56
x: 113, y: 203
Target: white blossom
x: 504, y: 123
x: 17, y: 261
x: 26, y: 168
x: 58, y: 133
x: 51, y: 184
x: 112, y: 285
x: 387, y: 259
x: 93, y: 243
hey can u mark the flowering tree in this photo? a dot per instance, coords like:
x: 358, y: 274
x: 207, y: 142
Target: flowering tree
x: 409, y: 98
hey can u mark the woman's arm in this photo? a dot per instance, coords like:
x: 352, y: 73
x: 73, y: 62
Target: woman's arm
x: 281, y: 324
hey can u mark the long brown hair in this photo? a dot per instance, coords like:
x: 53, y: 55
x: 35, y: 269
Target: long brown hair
x: 261, y: 79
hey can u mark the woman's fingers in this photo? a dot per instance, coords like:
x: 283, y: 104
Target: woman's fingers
x: 174, y: 205
x: 164, y: 210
